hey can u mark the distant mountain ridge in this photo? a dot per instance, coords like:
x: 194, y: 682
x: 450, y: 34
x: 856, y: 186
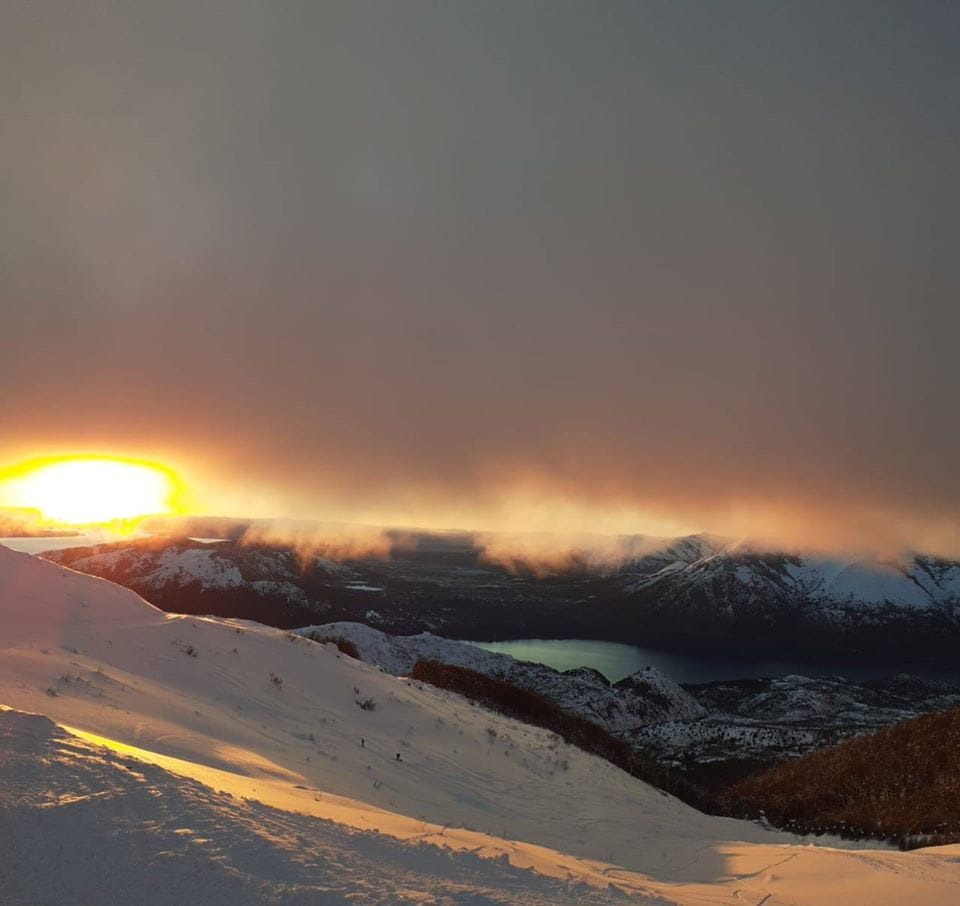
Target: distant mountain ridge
x: 694, y: 593
x: 914, y: 581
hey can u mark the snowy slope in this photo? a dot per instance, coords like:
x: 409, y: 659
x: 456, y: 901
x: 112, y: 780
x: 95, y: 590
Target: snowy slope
x: 273, y: 720
x: 155, y: 836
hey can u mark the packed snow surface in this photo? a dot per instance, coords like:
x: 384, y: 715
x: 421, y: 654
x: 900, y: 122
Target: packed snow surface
x: 167, y: 759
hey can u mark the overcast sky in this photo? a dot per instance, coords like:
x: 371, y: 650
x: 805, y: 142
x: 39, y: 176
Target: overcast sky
x: 599, y: 265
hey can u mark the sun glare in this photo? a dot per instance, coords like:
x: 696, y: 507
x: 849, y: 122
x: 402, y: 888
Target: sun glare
x: 90, y: 489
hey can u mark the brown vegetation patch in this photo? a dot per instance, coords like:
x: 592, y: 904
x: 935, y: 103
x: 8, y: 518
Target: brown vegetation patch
x: 344, y: 645
x: 901, y: 783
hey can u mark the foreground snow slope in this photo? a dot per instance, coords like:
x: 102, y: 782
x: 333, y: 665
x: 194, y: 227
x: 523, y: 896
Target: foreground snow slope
x: 160, y: 838
x: 275, y: 720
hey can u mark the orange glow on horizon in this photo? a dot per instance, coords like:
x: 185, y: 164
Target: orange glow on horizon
x: 91, y: 490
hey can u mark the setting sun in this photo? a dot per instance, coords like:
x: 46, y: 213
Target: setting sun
x: 90, y: 489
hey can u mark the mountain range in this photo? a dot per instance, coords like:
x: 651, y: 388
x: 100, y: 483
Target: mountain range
x: 698, y: 593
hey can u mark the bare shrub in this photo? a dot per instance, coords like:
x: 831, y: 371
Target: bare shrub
x: 345, y: 646
x: 187, y: 649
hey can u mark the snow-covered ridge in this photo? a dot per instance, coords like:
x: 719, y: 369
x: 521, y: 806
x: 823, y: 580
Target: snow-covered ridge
x: 914, y: 581
x: 206, y: 565
x: 203, y: 567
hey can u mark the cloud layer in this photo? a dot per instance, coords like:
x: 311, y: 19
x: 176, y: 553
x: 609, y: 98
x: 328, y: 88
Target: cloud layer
x: 539, y: 266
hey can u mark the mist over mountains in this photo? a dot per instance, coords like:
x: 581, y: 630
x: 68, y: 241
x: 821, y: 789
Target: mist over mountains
x: 697, y: 593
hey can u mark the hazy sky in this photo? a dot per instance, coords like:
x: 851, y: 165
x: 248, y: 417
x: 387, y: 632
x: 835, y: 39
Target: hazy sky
x: 595, y: 265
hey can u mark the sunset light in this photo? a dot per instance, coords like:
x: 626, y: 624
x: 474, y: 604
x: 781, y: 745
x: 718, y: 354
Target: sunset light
x: 90, y: 489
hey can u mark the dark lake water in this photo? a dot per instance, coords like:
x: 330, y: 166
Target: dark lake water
x: 616, y: 661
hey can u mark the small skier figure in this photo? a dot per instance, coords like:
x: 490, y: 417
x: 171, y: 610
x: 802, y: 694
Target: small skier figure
x: 398, y: 757
x: 363, y: 745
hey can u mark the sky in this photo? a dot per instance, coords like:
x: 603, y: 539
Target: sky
x: 548, y: 266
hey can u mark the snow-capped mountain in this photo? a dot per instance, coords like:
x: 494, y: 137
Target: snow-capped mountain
x: 248, y: 576
x: 688, y: 593
x: 881, y: 609
x: 743, y: 574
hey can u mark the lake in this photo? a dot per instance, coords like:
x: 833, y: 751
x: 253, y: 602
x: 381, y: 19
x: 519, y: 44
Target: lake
x: 615, y: 661
x: 61, y: 542
x: 84, y: 539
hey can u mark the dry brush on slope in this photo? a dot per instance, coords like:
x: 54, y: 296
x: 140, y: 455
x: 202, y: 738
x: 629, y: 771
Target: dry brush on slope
x: 901, y: 783
x: 345, y: 646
